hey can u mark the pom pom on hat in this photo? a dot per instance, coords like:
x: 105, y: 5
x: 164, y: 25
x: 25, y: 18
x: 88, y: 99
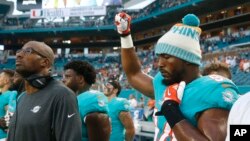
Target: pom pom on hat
x: 182, y: 40
x: 191, y: 20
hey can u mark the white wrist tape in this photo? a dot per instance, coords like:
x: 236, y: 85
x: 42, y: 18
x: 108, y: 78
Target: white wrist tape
x: 127, y: 42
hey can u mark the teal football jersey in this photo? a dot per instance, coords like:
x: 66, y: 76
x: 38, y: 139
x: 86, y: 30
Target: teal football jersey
x: 203, y: 93
x: 12, y: 102
x: 89, y: 102
x: 4, y: 101
x: 117, y: 105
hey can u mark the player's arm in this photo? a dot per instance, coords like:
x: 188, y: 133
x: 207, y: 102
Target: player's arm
x: 6, y: 108
x: 211, y: 123
x: 212, y: 126
x: 128, y: 124
x: 130, y: 62
x: 98, y: 126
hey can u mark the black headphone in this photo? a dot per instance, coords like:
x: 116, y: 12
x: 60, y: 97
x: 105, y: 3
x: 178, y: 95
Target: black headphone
x: 38, y: 81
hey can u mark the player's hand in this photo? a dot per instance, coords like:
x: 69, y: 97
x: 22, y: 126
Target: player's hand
x: 122, y: 22
x: 173, y: 94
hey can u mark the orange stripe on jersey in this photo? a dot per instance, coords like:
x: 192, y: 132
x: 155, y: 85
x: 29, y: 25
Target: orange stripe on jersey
x: 165, y: 133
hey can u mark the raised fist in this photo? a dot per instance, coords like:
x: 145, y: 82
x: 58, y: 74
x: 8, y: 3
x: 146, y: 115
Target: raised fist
x: 122, y: 22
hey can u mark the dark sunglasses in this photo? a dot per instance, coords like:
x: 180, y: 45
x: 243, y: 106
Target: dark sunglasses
x: 28, y: 51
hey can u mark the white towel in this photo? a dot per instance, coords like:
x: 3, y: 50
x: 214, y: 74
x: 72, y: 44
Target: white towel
x: 240, y: 112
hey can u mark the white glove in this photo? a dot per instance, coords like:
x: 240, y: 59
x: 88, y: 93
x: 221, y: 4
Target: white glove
x: 122, y: 22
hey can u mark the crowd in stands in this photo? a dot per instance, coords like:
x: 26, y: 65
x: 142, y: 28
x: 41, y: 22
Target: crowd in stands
x: 217, y: 43
x: 110, y: 67
x: 97, y: 21
x: 156, y: 6
x: 239, y: 64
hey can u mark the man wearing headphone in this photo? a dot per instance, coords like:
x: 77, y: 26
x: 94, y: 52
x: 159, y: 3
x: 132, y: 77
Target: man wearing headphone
x: 47, y: 110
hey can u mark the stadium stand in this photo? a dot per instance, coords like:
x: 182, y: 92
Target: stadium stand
x: 6, y: 8
x: 210, y: 43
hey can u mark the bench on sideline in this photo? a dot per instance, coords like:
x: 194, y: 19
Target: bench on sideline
x: 145, y: 132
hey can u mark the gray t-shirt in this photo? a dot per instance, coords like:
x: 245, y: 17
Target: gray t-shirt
x: 51, y: 114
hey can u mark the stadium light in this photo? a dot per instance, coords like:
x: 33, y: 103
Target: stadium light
x: 66, y: 41
x: 1, y: 47
x: 27, y: 2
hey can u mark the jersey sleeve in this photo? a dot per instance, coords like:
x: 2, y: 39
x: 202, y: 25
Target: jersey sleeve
x: 224, y: 94
x: 13, y: 96
x: 157, y: 78
x: 228, y: 98
x: 12, y: 102
x: 7, y: 96
x: 66, y: 122
x: 159, y: 87
x: 94, y: 103
x: 123, y: 105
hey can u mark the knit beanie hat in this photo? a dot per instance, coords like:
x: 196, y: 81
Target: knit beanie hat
x: 182, y: 40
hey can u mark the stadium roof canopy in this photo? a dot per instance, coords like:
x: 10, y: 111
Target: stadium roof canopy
x: 173, y: 15
x: 6, y: 7
x: 139, y: 5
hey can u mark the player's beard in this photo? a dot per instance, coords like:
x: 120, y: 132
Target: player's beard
x: 177, y: 77
x: 25, y: 73
x: 74, y: 88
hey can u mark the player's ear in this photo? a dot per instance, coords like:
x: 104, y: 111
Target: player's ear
x: 115, y: 90
x: 45, y: 62
x: 81, y: 79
